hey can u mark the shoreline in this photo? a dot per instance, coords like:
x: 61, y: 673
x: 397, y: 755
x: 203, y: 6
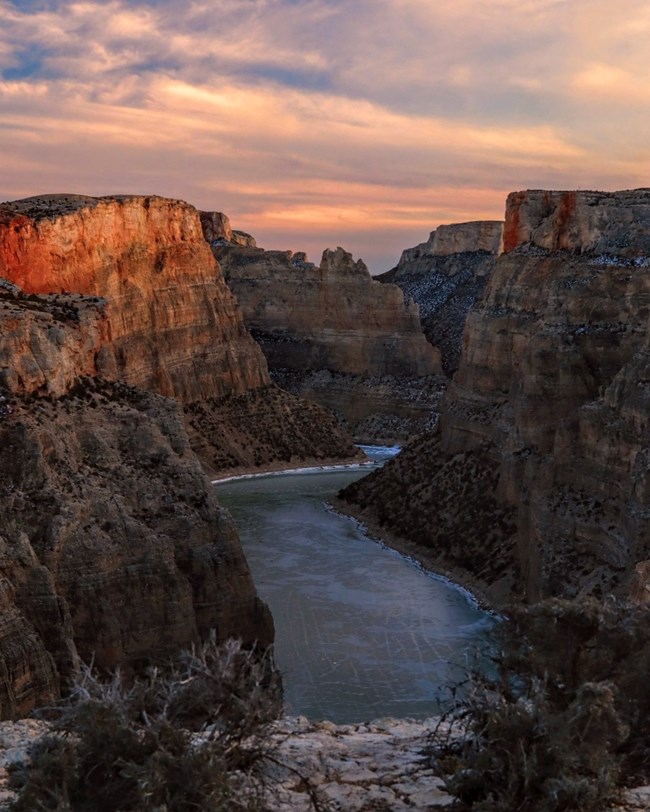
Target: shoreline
x: 434, y: 565
x: 305, y: 466
x: 316, y: 468
x: 475, y: 591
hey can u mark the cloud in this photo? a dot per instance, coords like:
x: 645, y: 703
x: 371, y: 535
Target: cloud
x: 373, y: 120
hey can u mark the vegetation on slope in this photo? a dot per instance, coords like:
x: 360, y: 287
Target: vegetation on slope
x: 565, y: 721
x: 193, y: 736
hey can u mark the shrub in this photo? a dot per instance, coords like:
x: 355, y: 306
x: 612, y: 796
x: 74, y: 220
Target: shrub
x: 189, y: 737
x: 564, y: 720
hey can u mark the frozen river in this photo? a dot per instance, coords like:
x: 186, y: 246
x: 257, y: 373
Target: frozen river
x: 361, y: 631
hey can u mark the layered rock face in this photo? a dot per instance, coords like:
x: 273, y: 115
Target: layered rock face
x: 333, y: 316
x: 171, y: 323
x: 332, y: 319
x: 551, y: 394
x: 174, y: 327
x: 113, y: 546
x: 445, y: 276
x: 48, y: 341
x: 612, y: 223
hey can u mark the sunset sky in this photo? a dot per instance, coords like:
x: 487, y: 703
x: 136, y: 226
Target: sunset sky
x: 316, y: 123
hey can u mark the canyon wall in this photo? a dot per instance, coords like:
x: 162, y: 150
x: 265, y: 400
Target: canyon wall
x: 330, y: 332
x: 550, y: 402
x: 445, y: 276
x: 333, y: 316
x: 172, y: 326
x: 113, y: 546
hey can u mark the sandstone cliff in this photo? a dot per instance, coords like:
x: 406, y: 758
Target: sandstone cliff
x: 551, y: 397
x: 327, y: 331
x: 611, y: 223
x: 113, y: 546
x: 332, y: 316
x: 172, y: 325
x: 445, y: 276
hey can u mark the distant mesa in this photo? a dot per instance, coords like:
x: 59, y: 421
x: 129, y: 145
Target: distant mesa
x: 457, y: 238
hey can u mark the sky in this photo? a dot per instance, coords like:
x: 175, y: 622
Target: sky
x: 317, y: 123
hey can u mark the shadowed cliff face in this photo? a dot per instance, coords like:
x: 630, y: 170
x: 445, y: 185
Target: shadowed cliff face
x: 330, y: 327
x: 445, y: 276
x: 111, y: 541
x: 333, y: 317
x: 171, y: 324
x: 551, y: 393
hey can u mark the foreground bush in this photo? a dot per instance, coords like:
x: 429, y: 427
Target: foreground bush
x: 190, y: 737
x: 565, y: 720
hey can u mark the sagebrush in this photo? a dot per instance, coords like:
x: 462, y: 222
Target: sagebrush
x: 565, y: 720
x: 192, y: 736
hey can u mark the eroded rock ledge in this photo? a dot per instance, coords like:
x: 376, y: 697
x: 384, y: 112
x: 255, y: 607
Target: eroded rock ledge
x: 349, y: 768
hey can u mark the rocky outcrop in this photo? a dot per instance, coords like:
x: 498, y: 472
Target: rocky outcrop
x: 48, y: 341
x: 379, y: 765
x: 218, y: 231
x: 445, y: 276
x: 320, y: 324
x: 171, y: 324
x: 611, y: 223
x: 112, y: 544
x: 551, y: 394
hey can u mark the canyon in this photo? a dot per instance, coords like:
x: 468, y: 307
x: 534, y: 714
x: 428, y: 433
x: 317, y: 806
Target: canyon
x: 536, y: 483
x: 127, y: 372
x: 122, y: 354
x: 332, y: 334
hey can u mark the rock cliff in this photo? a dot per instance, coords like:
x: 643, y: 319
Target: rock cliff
x: 331, y: 329
x: 550, y: 396
x: 112, y: 544
x: 612, y: 223
x: 171, y: 324
x: 332, y: 316
x: 445, y: 276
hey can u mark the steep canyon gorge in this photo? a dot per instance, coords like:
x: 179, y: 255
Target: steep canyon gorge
x: 127, y: 371
x: 121, y: 347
